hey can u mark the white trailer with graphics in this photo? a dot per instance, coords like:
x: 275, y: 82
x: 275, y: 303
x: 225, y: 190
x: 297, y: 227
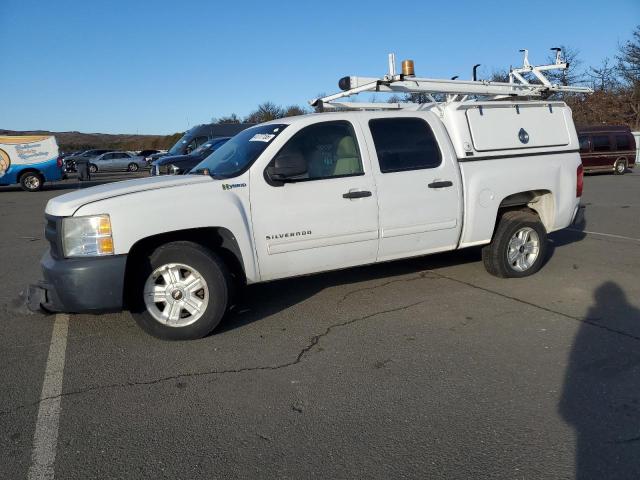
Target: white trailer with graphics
x: 29, y: 160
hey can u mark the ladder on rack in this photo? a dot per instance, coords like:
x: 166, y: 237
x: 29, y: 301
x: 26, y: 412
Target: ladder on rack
x: 455, y: 90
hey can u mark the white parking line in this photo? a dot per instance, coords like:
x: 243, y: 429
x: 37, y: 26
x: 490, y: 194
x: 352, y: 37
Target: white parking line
x: 45, y: 438
x: 604, y: 234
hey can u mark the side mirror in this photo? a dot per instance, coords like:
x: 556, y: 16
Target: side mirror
x: 286, y: 166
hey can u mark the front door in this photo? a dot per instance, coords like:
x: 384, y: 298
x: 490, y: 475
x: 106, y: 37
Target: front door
x: 418, y: 183
x: 324, y: 219
x: 105, y: 162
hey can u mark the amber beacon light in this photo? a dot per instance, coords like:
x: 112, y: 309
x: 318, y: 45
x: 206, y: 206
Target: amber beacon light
x: 407, y: 68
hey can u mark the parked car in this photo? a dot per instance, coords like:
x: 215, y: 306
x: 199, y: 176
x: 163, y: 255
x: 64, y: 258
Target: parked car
x: 145, y: 153
x: 200, y: 135
x: 116, y: 161
x: 69, y: 162
x: 607, y: 148
x: 29, y: 160
x: 636, y: 135
x: 180, y: 164
x: 312, y: 193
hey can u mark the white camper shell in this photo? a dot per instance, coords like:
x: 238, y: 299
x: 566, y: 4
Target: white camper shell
x: 299, y: 195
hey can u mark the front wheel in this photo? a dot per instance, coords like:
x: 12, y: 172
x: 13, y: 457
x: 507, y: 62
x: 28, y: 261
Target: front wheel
x: 133, y: 167
x: 620, y: 167
x: 31, y: 181
x: 518, y: 247
x: 93, y: 168
x: 181, y: 293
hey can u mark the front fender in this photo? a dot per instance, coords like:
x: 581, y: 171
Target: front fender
x: 139, y: 215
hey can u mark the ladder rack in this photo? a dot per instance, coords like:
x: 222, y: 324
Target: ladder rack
x: 407, y: 82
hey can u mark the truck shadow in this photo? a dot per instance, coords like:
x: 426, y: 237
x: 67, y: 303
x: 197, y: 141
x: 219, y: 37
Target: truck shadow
x: 601, y: 394
x: 260, y: 301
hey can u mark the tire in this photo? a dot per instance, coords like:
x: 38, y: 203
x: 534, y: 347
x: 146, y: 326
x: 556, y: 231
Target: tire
x: 31, y: 181
x: 133, y: 167
x: 514, y: 228
x: 171, y: 271
x: 620, y: 167
x: 93, y: 168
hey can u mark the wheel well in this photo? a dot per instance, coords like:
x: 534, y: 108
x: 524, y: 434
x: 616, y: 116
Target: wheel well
x: 539, y: 202
x: 27, y: 170
x: 218, y: 239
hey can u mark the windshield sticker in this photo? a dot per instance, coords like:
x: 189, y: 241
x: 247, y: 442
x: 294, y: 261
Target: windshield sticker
x: 229, y: 186
x: 261, y: 137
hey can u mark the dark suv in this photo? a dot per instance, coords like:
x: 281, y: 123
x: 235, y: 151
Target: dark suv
x: 607, y: 148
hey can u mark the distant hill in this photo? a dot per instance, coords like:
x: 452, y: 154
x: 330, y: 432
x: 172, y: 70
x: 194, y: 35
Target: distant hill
x: 73, y: 141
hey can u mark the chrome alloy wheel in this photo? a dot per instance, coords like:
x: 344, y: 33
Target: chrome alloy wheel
x: 523, y: 249
x: 32, y: 182
x: 176, y: 295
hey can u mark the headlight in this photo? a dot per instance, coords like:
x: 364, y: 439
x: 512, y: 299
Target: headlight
x: 87, y: 236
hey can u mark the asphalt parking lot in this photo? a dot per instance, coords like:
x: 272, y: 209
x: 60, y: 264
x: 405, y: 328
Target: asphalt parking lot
x: 427, y: 368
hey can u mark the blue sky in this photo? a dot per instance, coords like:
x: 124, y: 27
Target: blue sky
x: 160, y: 67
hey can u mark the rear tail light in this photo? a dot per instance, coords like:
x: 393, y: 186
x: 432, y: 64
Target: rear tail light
x: 579, y: 181
x: 59, y: 162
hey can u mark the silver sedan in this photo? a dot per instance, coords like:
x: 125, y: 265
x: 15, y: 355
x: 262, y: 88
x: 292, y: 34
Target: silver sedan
x: 117, y: 161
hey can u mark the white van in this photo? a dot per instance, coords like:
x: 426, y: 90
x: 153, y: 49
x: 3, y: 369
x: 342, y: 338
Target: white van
x: 29, y: 160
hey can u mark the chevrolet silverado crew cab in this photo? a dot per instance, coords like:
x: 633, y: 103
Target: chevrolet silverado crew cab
x: 313, y: 193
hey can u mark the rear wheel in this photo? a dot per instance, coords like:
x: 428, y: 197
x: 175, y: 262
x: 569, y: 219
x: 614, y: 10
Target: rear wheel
x: 182, y: 292
x: 31, y: 181
x: 133, y: 167
x: 518, y: 247
x: 620, y: 167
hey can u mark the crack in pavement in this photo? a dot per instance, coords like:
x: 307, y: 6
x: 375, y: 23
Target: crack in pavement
x: 588, y: 321
x: 316, y: 339
x: 421, y: 275
x: 307, y: 348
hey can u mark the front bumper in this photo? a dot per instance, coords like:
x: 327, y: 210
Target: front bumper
x: 76, y: 285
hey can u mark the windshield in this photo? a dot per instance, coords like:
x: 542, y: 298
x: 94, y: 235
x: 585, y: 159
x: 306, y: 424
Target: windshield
x: 236, y: 155
x: 178, y: 148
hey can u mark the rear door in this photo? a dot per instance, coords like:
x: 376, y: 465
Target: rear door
x: 121, y: 160
x: 327, y: 218
x: 418, y: 185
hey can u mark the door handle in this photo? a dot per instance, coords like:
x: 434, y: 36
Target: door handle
x: 441, y: 184
x: 357, y: 194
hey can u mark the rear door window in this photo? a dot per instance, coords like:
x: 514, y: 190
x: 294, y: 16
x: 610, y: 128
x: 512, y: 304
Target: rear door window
x: 623, y: 142
x: 601, y: 143
x: 404, y: 144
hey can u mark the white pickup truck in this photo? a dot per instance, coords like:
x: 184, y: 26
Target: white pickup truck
x: 313, y: 193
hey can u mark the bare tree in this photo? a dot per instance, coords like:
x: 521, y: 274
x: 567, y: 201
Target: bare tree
x: 499, y: 75
x: 265, y: 112
x: 629, y: 69
x: 233, y: 118
x: 603, y: 77
x: 294, y: 110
